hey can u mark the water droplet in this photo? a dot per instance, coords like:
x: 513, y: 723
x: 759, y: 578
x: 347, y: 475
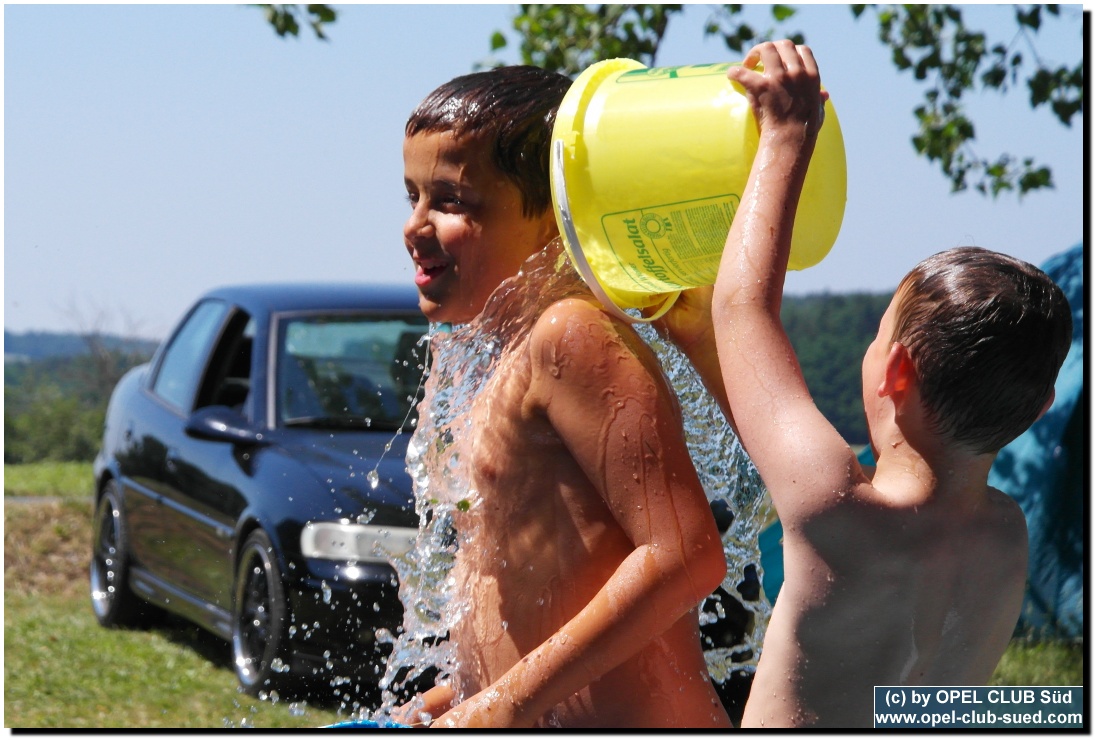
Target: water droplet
x: 374, y: 479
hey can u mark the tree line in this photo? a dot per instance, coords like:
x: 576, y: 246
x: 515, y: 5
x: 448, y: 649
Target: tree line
x: 54, y: 407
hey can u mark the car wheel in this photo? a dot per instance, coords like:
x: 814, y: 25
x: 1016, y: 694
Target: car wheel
x: 260, y: 619
x: 113, y: 601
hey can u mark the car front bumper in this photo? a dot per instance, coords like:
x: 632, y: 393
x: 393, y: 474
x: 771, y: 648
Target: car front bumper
x: 338, y: 609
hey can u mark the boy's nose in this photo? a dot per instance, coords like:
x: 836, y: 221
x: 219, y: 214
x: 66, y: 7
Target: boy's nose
x: 417, y: 225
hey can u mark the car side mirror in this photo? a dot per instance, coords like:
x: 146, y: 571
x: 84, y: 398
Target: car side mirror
x: 223, y: 424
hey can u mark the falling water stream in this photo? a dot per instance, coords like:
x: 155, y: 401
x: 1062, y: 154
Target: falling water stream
x: 464, y: 359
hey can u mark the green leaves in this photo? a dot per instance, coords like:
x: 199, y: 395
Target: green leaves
x: 739, y: 36
x: 951, y: 59
x: 782, y: 12
x: 286, y: 19
x: 932, y: 42
x: 569, y: 38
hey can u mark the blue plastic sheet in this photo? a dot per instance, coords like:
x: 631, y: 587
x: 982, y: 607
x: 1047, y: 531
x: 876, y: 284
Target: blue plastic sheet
x: 1043, y: 470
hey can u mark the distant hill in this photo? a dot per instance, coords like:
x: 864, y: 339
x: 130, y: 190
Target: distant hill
x: 35, y: 345
x: 830, y: 333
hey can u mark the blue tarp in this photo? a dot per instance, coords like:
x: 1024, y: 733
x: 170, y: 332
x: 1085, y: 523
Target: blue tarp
x: 1044, y: 471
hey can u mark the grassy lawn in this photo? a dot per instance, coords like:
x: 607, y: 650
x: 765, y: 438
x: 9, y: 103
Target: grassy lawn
x: 68, y: 480
x: 61, y: 670
x: 1035, y: 663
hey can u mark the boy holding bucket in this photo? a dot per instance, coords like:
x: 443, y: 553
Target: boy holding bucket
x: 910, y: 573
x: 593, y: 539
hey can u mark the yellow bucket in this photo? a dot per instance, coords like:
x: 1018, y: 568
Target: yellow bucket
x: 648, y: 166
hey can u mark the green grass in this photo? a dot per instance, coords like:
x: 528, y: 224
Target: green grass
x: 61, y: 670
x: 69, y: 480
x: 1040, y: 663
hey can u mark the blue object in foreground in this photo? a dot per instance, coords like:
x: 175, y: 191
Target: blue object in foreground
x: 365, y: 724
x: 1043, y: 470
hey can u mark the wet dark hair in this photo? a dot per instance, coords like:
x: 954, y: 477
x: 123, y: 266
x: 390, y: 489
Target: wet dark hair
x: 513, y: 109
x: 987, y: 334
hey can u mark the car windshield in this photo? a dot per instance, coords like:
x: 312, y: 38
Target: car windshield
x: 350, y: 372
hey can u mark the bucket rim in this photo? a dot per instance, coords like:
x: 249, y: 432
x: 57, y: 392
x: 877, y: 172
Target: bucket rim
x: 577, y: 254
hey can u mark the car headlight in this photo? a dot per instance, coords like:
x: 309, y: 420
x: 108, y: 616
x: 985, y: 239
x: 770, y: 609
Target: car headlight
x: 364, y: 543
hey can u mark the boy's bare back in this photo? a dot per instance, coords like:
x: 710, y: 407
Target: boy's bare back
x: 910, y: 573
x: 900, y: 587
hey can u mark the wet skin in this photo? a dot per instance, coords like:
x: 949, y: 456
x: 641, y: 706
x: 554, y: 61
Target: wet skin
x: 908, y: 574
x: 590, y: 536
x: 466, y: 232
x: 589, y: 541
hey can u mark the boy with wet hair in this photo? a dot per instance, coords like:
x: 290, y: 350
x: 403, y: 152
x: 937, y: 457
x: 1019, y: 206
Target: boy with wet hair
x: 911, y: 572
x: 587, y: 541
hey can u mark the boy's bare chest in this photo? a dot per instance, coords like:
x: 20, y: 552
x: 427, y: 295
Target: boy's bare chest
x: 521, y: 468
x: 505, y: 424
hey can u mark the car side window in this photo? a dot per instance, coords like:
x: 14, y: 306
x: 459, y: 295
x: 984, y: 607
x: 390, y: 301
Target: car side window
x: 185, y: 358
x: 228, y: 377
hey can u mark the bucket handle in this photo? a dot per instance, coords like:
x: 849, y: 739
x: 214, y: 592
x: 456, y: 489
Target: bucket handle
x: 580, y: 261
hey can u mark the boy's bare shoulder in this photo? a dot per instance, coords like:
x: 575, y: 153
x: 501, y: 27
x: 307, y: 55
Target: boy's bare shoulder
x: 1007, y: 518
x: 574, y: 326
x: 576, y: 344
x: 555, y: 319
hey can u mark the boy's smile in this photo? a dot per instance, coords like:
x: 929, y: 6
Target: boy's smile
x: 466, y: 232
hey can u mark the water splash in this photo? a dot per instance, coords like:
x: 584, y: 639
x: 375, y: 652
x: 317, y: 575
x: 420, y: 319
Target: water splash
x: 464, y: 359
x: 728, y: 477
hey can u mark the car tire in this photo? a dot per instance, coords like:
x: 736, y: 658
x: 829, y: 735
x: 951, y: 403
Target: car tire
x: 113, y: 601
x: 260, y: 619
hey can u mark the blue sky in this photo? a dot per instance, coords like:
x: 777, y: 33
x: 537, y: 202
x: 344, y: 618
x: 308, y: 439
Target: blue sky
x: 154, y: 152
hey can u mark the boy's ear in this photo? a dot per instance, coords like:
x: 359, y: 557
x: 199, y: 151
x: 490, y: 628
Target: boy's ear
x: 549, y: 227
x: 900, y: 373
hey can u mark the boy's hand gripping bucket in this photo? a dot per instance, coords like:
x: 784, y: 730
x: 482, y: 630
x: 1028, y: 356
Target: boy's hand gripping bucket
x: 647, y: 170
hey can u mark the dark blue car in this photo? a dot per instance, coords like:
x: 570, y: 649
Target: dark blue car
x: 252, y: 477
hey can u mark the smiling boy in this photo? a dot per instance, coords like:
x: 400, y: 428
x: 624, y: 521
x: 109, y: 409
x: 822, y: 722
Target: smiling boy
x: 589, y: 541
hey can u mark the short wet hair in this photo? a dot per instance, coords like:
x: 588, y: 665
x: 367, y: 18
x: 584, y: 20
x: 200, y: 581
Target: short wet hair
x: 513, y: 109
x: 987, y: 334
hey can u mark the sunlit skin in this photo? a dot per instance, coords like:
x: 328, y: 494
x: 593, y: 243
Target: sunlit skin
x: 589, y: 542
x: 910, y: 573
x: 466, y: 232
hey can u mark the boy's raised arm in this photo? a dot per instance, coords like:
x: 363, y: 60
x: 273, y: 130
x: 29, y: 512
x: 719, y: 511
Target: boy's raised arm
x: 773, y: 412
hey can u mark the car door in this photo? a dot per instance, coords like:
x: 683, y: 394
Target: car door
x: 203, y: 496
x: 182, y: 513
x: 155, y: 429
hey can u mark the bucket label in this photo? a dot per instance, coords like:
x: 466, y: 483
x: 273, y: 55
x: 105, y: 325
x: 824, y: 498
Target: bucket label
x: 671, y: 73
x: 667, y: 247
